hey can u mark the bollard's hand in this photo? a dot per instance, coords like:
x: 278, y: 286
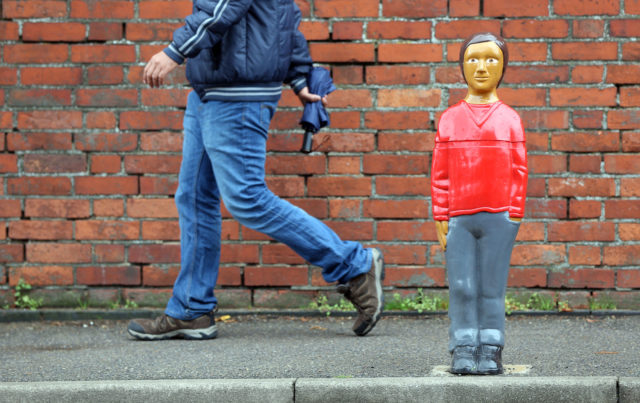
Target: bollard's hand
x: 442, y: 229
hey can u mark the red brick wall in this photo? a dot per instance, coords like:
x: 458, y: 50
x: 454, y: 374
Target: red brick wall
x: 89, y: 157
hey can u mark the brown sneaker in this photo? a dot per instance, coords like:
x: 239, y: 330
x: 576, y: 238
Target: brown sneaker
x: 166, y: 327
x: 365, y: 292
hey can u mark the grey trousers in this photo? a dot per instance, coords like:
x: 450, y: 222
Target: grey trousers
x: 478, y: 253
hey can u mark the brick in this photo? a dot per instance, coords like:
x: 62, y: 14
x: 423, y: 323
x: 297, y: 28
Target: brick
x: 400, y: 141
x: 629, y: 187
x: 399, y: 30
x: 409, y: 53
x: 8, y: 76
x: 621, y: 163
x: 623, y: 119
x: 532, y: 255
x: 584, y: 51
x: 105, y: 164
x: 622, y: 255
x: 159, y: 31
x: 404, y: 186
x: 397, y: 74
x: 588, y: 28
x: 282, y: 299
x: 588, y: 119
x: 342, y: 52
x: 39, y: 276
x: 343, y: 142
x: 355, y: 231
x: 404, y: 254
x: 587, y: 74
x: 584, y: 209
x: 345, y: 8
x: 40, y: 230
x: 628, y: 278
x: 152, y: 164
x: 581, y: 187
x: 630, y: 51
x: 10, y: 208
x: 395, y: 164
x: 53, y: 32
x: 632, y: 7
x: 284, y: 186
x: 378, y: 208
x: 9, y: 31
x: 344, y: 208
x: 51, y: 75
x: 18, y: 141
x: 338, y: 186
x: 116, y: 185
x: 108, y: 253
x: 156, y: 9
x: 536, y: 187
x: 530, y: 277
x: 165, y: 97
x: 624, y: 27
x: 239, y: 253
x: 312, y: 30
x: 111, y: 142
x: 399, y: 98
x: 623, y: 74
x: 105, y: 31
x: 106, y: 97
x: 347, y: 74
x: 414, y: 8
x: 100, y: 120
x: 108, y: 207
x: 39, y: 186
x: 143, y: 120
x: 351, y: 99
x: 39, y: 97
x: 586, y: 7
x: 544, y: 119
x: 108, y: 275
x: 528, y: 28
x: 586, y: 141
x: 630, y: 141
x: 516, y: 97
x: 151, y: 208
x: 6, y: 118
x: 160, y: 276
x: 629, y: 96
x: 158, y: 185
x: 415, y: 277
x: 104, y: 9
x: 154, y: 253
x: 531, y: 231
x: 347, y: 30
x: 449, y: 75
x: 584, y: 163
x: 57, y: 120
x: 396, y: 120
x: 301, y: 165
x: 582, y: 278
x: 517, y: 8
x: 161, y: 141
x: 585, y: 255
x: 547, y: 164
x: 8, y: 163
x: 35, y: 53
x: 11, y: 253
x: 52, y: 163
x: 412, y: 230
x: 105, y: 75
x: 546, y: 208
x: 56, y: 208
x: 34, y: 9
x: 462, y: 29
x: 583, y: 96
x: 621, y: 209
x: 344, y: 165
x: 161, y: 230
x: 107, y: 230
x: 464, y: 8
x: 50, y: 252
x: 279, y: 254
x: 581, y: 231
x: 103, y: 54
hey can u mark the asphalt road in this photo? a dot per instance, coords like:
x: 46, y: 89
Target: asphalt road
x: 293, y: 347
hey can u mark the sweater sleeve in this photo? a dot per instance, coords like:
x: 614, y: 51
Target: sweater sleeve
x: 301, y: 62
x: 204, y: 28
x: 519, y: 174
x: 440, y: 181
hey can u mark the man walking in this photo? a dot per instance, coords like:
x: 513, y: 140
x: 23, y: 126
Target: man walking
x: 240, y: 52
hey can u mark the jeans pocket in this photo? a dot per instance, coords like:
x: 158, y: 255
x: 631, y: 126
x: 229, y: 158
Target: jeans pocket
x: 266, y: 114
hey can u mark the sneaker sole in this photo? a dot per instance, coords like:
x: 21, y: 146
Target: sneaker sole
x: 379, y: 273
x: 189, y: 334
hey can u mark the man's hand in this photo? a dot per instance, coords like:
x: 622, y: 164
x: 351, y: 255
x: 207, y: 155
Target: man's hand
x: 305, y: 96
x: 157, y: 69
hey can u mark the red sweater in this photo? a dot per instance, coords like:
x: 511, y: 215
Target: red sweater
x: 479, y: 161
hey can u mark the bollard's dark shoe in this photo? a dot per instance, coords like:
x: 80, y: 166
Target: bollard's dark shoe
x: 365, y: 292
x: 463, y: 360
x: 489, y: 360
x: 165, y: 327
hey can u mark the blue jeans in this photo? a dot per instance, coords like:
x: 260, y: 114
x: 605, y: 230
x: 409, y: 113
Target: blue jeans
x: 223, y: 158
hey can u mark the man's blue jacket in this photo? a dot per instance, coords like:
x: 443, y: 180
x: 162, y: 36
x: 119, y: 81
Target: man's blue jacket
x: 242, y: 50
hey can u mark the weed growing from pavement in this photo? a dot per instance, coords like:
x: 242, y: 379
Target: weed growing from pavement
x: 418, y: 302
x: 602, y: 303
x: 22, y: 298
x: 536, y: 302
x: 127, y: 304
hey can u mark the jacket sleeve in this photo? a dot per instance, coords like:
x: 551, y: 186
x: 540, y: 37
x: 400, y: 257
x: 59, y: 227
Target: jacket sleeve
x: 301, y: 62
x: 440, y: 181
x: 519, y: 174
x: 204, y: 28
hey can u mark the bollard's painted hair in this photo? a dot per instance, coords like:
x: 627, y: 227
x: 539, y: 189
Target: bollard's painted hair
x: 481, y: 38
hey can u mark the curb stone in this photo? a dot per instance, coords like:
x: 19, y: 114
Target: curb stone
x: 629, y: 390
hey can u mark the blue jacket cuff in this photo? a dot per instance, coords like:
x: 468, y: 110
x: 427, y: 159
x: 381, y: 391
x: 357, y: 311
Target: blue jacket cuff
x: 173, y: 53
x: 298, y: 84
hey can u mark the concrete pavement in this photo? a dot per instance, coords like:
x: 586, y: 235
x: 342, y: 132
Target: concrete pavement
x: 311, y: 359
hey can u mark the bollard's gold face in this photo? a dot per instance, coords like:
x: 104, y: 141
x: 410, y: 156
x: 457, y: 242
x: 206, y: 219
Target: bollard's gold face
x: 483, y: 63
